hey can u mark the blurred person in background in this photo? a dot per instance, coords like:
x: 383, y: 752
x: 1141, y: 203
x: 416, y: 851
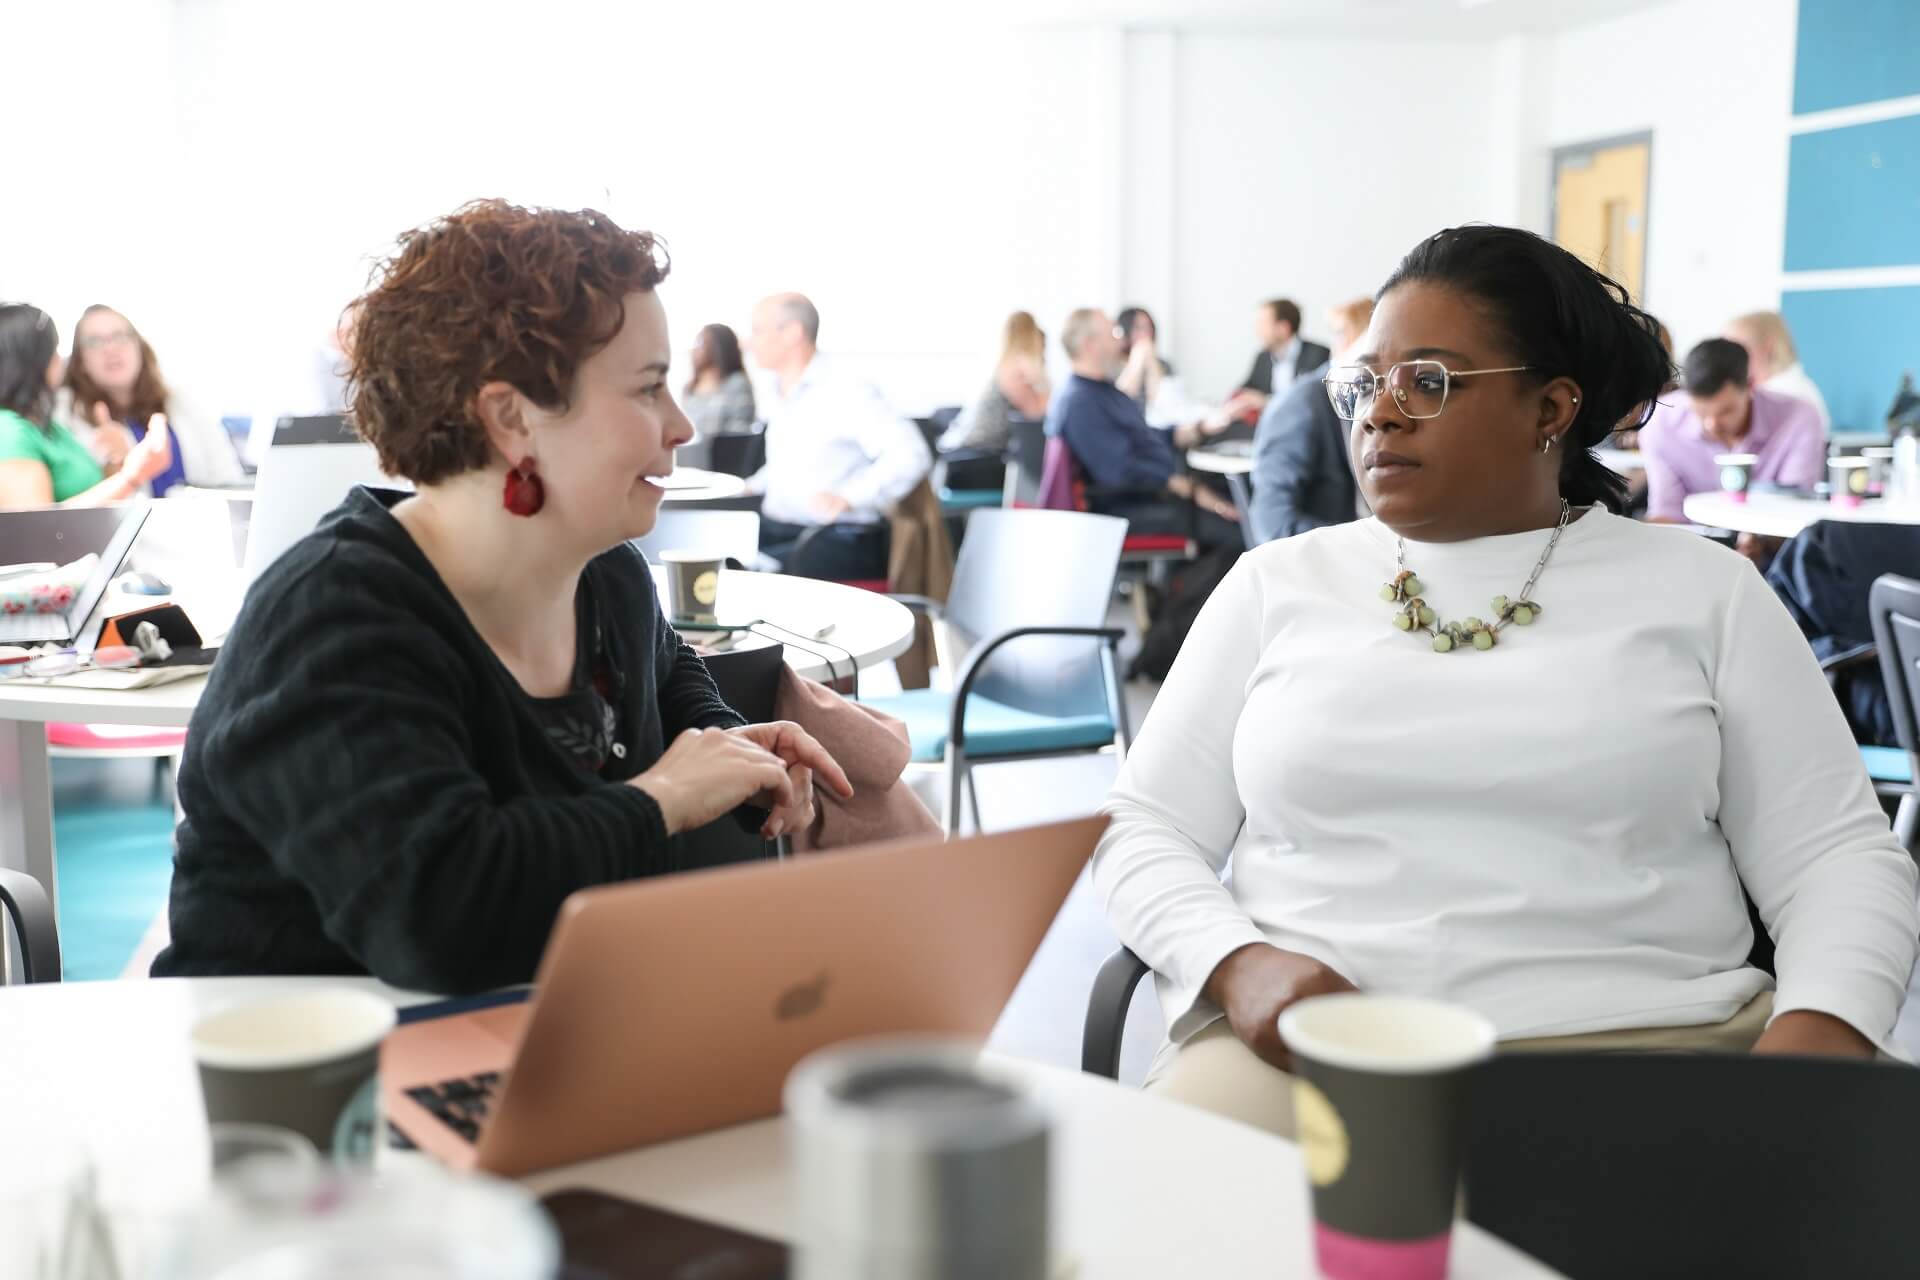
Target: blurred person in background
x: 42, y: 463
x: 114, y: 387
x: 1019, y: 387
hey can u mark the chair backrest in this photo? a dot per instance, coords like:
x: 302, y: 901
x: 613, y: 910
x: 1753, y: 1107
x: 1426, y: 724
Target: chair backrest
x: 1657, y: 1165
x: 1027, y: 568
x: 1059, y: 488
x: 298, y: 483
x: 737, y: 453
x: 685, y: 527
x: 1026, y: 458
x: 749, y: 679
x: 1895, y: 604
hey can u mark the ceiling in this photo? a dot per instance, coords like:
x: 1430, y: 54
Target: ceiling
x: 1402, y: 19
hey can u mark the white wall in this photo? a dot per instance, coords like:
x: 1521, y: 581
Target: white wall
x: 227, y: 170
x: 1307, y: 169
x: 1713, y: 80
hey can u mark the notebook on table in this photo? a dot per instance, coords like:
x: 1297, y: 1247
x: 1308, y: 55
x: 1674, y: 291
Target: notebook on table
x: 58, y: 537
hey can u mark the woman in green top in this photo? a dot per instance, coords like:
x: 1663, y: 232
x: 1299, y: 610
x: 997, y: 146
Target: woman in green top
x: 41, y: 463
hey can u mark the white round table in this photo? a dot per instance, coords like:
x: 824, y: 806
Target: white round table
x: 830, y: 624
x: 691, y: 484
x: 1142, y: 1186
x: 1222, y: 459
x: 1779, y: 515
x: 1235, y: 462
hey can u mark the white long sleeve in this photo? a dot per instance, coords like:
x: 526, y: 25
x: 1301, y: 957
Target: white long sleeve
x: 1555, y: 832
x: 833, y: 433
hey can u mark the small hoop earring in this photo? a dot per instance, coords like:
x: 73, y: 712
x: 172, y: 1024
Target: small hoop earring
x: 1547, y: 444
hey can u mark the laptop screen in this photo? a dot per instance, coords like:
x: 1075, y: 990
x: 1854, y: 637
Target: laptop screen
x: 59, y: 536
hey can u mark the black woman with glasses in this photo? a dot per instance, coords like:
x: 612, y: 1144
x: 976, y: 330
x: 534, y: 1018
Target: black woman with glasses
x: 1498, y: 745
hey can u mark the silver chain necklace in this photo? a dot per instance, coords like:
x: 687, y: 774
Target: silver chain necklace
x: 1412, y: 613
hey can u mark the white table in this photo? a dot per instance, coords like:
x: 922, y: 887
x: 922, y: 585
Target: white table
x: 691, y: 484
x: 867, y: 627
x: 1235, y: 462
x: 1142, y: 1187
x: 1779, y: 515
x: 1625, y: 462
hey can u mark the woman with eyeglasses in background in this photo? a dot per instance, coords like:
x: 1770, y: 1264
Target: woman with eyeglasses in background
x: 42, y: 463
x: 114, y: 387
x: 1496, y: 744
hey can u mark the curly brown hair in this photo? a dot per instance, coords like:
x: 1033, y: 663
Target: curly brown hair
x: 494, y: 292
x: 149, y: 395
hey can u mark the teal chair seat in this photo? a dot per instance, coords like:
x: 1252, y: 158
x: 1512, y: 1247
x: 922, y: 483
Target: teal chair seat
x: 993, y: 728
x: 969, y: 499
x: 1887, y: 764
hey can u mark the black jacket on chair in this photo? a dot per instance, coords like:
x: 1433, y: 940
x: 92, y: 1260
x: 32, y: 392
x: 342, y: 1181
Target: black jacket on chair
x: 1302, y: 478
x: 1824, y: 576
x: 1260, y: 377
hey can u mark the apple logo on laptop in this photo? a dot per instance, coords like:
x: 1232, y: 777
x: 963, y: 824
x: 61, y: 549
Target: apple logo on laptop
x: 801, y: 999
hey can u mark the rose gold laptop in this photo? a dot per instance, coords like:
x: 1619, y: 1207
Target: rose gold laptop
x: 671, y: 1006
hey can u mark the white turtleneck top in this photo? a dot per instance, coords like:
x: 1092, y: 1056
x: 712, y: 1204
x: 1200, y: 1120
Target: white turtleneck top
x: 1555, y: 832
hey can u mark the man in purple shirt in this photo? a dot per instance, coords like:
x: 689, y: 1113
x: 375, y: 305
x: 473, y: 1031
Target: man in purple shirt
x: 1725, y: 413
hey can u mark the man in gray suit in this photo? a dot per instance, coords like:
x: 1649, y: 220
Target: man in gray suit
x: 1302, y: 478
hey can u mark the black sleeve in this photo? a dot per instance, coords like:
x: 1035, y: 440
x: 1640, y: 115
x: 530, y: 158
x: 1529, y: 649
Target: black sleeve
x: 343, y: 747
x: 688, y: 697
x: 1285, y: 457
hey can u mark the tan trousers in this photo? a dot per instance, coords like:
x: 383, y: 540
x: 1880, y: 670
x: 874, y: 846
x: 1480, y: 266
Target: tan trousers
x: 1215, y: 1071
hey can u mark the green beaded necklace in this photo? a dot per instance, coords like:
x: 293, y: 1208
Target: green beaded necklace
x: 1414, y: 614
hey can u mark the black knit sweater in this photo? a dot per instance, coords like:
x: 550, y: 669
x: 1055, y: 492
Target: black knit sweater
x: 368, y: 790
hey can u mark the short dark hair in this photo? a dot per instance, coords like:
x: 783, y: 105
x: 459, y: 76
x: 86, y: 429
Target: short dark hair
x: 27, y: 344
x: 492, y: 292
x: 1712, y: 365
x: 1285, y: 311
x: 1561, y: 319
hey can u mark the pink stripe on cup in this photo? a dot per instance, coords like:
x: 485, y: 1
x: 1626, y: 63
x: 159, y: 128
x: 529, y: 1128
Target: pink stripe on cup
x: 1347, y: 1257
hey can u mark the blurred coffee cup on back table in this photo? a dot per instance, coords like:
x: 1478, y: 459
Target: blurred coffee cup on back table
x: 693, y: 584
x: 1736, y: 474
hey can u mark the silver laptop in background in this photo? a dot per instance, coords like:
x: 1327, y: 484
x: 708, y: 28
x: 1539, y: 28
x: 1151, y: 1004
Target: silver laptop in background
x: 59, y: 536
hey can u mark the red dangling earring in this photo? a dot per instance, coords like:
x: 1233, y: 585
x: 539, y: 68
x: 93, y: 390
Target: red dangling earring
x: 524, y: 494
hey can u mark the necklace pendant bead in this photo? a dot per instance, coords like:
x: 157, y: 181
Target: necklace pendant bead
x: 1483, y: 640
x: 1523, y: 616
x: 1442, y: 643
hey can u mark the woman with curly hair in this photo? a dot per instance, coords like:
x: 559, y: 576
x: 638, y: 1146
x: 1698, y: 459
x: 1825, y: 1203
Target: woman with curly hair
x: 441, y: 713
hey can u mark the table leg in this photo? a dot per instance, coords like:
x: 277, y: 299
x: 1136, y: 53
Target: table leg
x: 26, y: 802
x: 1243, y: 502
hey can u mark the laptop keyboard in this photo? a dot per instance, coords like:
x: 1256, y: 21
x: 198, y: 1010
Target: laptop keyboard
x: 461, y: 1104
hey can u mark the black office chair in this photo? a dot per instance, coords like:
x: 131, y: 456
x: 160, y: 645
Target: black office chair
x: 1025, y: 462
x: 749, y: 682
x: 1106, y: 1026
x: 1895, y: 605
x: 1656, y: 1165
x: 27, y: 909
x: 738, y: 453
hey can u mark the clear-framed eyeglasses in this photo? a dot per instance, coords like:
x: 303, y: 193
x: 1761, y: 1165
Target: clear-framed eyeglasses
x: 1418, y: 387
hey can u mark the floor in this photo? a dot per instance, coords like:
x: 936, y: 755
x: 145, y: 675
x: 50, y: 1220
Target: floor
x: 114, y: 838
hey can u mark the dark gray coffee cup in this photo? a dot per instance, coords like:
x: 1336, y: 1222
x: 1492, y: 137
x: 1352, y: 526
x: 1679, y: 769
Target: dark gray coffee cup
x: 1380, y: 1096
x: 693, y: 584
x: 308, y: 1063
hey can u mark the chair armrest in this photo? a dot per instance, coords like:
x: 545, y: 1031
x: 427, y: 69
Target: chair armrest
x: 921, y: 604
x: 1856, y: 656
x: 969, y: 670
x: 1107, y: 1013
x: 26, y: 904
